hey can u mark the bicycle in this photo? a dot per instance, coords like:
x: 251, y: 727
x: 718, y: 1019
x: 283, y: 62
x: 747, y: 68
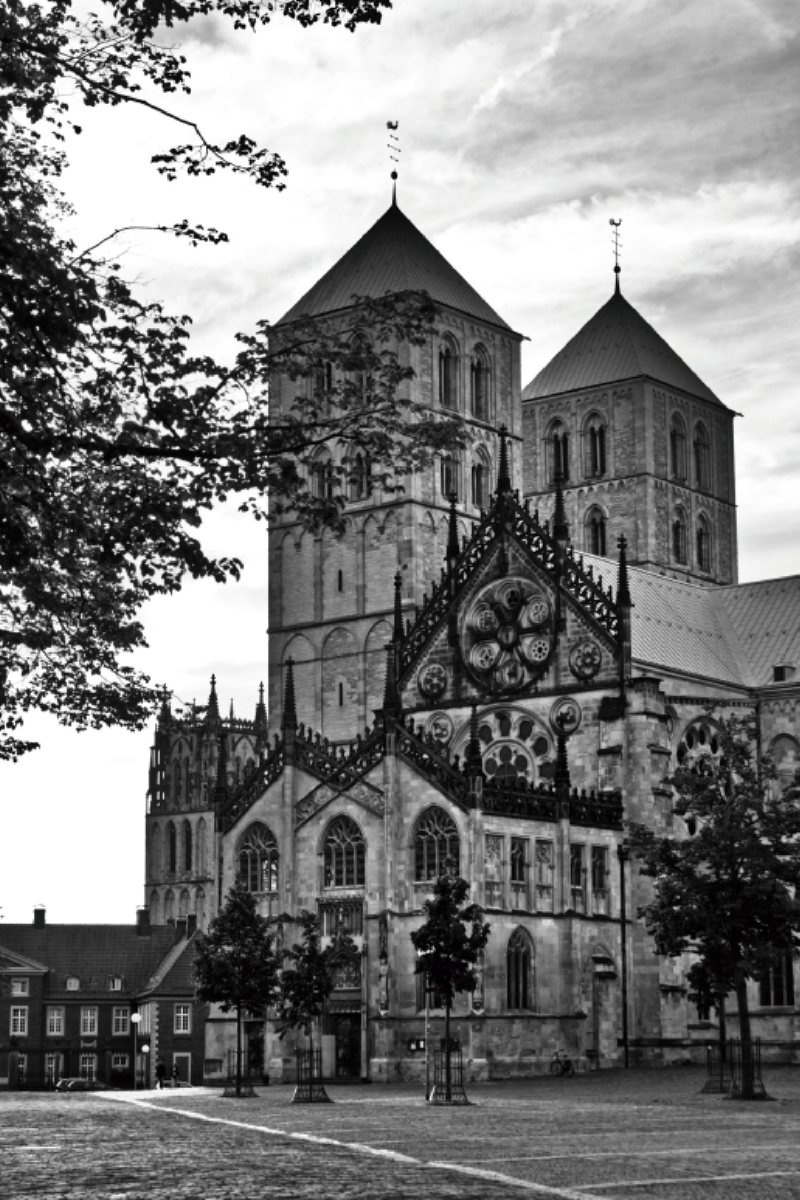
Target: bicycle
x: 562, y: 1064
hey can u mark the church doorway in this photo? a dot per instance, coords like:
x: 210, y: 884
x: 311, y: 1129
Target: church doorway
x: 347, y: 1035
x: 600, y: 999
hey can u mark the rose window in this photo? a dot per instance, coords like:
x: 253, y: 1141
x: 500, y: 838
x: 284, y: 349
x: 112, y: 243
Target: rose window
x: 507, y: 635
x: 699, y: 748
x: 514, y: 747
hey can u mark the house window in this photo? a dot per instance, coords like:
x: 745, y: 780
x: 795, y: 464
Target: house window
x: 702, y: 458
x: 258, y: 859
x: 52, y: 1066
x: 183, y: 1018
x: 479, y: 384
x: 88, y: 1067
x: 54, y: 1023
x: 345, y: 854
x: 594, y: 448
x: 19, y: 1021
x: 576, y: 877
x: 519, y: 872
x: 119, y: 1062
x: 595, y: 537
x: 448, y: 477
x: 600, y: 879
x: 448, y: 378
x: 677, y: 448
x: 435, y: 842
x: 115, y: 984
x: 88, y: 1022
x: 519, y: 958
x: 73, y: 984
x: 776, y: 986
x: 558, y: 452
x: 20, y: 987
x: 22, y: 1068
x: 120, y: 1025
x: 679, y: 538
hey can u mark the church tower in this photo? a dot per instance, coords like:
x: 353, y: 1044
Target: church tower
x: 644, y: 448
x: 331, y: 596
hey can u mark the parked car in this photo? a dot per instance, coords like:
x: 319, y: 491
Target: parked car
x: 79, y: 1084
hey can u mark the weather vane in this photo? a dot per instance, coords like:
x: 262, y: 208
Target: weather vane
x: 617, y: 268
x: 394, y: 152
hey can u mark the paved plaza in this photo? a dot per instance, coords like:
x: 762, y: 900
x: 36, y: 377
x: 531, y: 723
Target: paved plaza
x: 615, y: 1135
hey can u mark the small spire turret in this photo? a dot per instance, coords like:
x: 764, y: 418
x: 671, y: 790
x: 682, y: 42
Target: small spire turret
x: 289, y: 720
x: 260, y: 722
x: 397, y: 630
x: 503, y: 474
x: 212, y: 708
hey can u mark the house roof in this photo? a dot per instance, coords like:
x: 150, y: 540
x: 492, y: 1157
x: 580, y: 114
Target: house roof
x: 175, y: 973
x: 392, y: 256
x: 91, y: 953
x: 765, y: 620
x: 616, y: 344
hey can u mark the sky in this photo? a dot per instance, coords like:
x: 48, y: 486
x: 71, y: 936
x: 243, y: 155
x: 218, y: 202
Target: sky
x: 524, y: 127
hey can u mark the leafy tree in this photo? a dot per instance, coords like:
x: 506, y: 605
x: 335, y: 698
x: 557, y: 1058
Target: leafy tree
x: 447, y: 951
x: 115, y: 436
x: 726, y: 891
x: 307, y: 983
x: 236, y: 964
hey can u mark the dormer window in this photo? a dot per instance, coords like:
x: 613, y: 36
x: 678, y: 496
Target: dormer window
x: 73, y: 983
x: 20, y: 987
x: 114, y: 983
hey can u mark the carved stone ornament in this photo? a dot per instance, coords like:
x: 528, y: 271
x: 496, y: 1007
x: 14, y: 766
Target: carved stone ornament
x: 440, y: 727
x: 585, y: 659
x: 507, y: 635
x: 565, y: 715
x: 360, y: 791
x: 432, y: 680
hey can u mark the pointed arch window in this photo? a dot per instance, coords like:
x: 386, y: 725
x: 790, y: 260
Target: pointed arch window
x: 519, y: 971
x: 677, y: 448
x: 169, y: 906
x: 594, y: 447
x: 480, y: 484
x: 558, y: 452
x: 322, y: 477
x: 155, y: 852
x: 172, y: 846
x: 436, y: 844
x: 258, y: 859
x: 200, y: 907
x: 186, y: 782
x: 201, y: 847
x: 323, y: 380
x: 595, y: 531
x: 479, y: 384
x: 703, y: 544
x: 679, y: 538
x: 176, y: 781
x: 187, y: 846
x: 449, y: 477
x: 702, y: 457
x: 152, y: 908
x: 360, y: 472
x: 345, y: 854
x: 448, y: 375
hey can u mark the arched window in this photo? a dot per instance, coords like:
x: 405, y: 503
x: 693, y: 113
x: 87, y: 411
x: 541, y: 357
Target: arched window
x: 449, y: 477
x: 594, y: 447
x: 152, y: 908
x: 479, y: 384
x: 322, y: 477
x: 183, y: 904
x: 702, y: 457
x: 345, y: 854
x: 176, y: 781
x: 785, y: 754
x: 519, y: 970
x: 595, y: 531
x: 677, y: 447
x: 360, y: 483
x: 435, y: 841
x: 200, y: 907
x: 323, y: 379
x: 187, y: 846
x: 558, y: 451
x: 703, y: 544
x: 679, y: 537
x: 186, y: 782
x: 448, y: 375
x: 169, y: 906
x: 172, y: 842
x: 201, y: 847
x: 258, y: 859
x: 480, y: 484
x: 155, y: 851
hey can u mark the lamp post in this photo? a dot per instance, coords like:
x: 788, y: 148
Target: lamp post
x: 623, y: 853
x: 135, y: 1019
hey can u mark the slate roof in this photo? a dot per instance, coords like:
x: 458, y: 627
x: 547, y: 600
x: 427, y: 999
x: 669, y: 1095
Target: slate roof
x: 730, y: 634
x: 392, y: 256
x: 92, y: 953
x: 616, y: 344
x: 176, y: 972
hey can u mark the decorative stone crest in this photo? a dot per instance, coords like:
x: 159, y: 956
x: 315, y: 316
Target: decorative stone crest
x: 507, y: 635
x: 565, y: 715
x: 432, y: 680
x: 585, y: 659
x: 440, y: 727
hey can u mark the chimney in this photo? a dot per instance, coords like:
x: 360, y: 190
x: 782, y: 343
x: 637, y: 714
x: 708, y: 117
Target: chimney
x: 143, y: 922
x: 39, y: 913
x: 180, y: 929
x: 191, y: 924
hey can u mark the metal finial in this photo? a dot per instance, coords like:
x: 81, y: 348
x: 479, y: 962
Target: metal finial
x: 394, y: 151
x: 615, y: 235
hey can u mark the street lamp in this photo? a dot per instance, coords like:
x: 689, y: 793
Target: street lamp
x: 135, y: 1020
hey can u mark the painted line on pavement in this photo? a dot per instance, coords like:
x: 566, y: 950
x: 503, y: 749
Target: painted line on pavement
x: 631, y: 1183
x: 674, y: 1153
x: 360, y: 1148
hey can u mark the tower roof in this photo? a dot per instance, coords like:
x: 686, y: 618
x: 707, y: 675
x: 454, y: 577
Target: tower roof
x: 392, y: 256
x: 617, y: 343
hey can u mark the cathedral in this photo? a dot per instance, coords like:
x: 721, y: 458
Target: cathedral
x: 499, y: 664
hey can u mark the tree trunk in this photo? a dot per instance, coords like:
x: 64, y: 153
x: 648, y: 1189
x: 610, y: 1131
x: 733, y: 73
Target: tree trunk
x: 448, y: 1091
x: 723, y: 1030
x: 239, y: 1051
x: 748, y: 1067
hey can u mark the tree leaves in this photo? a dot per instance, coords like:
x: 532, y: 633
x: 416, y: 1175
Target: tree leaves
x: 236, y: 965
x: 446, y: 951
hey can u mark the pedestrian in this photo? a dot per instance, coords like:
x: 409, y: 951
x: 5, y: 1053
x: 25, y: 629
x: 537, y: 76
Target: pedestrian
x: 174, y: 1074
x: 161, y: 1071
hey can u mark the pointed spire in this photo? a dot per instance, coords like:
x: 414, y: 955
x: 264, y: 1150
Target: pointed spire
x: 397, y: 631
x: 221, y: 784
x: 165, y: 712
x: 503, y: 475
x: 391, y: 696
x: 560, y: 526
x: 394, y: 151
x: 452, y: 532
x: 230, y: 713
x: 212, y: 709
x: 289, y: 704
x: 623, y: 586
x: 617, y: 268
x: 260, y: 723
